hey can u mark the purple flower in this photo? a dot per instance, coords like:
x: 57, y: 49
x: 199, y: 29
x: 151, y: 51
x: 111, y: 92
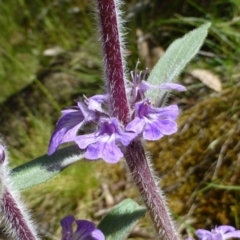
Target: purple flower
x: 219, y: 233
x: 104, y: 142
x: 73, y: 119
x: 69, y: 124
x: 153, y: 122
x: 95, y: 102
x: 139, y: 86
x: 107, y: 141
x: 85, y: 230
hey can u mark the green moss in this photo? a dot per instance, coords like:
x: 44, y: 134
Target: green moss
x: 208, y: 135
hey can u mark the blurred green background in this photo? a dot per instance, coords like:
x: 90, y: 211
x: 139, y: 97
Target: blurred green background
x: 50, y: 55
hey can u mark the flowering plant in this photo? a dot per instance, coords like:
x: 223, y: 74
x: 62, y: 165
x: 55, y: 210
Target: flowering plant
x: 119, y: 120
x: 223, y: 232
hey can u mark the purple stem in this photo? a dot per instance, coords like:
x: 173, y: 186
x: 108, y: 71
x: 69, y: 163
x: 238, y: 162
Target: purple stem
x: 113, y: 60
x: 150, y: 192
x: 135, y: 156
x: 14, y: 217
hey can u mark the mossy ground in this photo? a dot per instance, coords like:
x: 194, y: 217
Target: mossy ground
x: 199, y: 165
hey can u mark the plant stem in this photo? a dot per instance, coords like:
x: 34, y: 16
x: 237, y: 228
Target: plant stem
x: 150, y: 192
x: 108, y: 11
x: 18, y: 221
x: 14, y: 217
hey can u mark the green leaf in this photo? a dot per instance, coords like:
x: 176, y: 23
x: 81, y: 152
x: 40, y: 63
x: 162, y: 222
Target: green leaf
x: 121, y: 219
x: 45, y: 167
x: 177, y: 56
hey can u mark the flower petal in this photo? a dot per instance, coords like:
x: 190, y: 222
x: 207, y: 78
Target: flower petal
x: 154, y: 122
x: 172, y: 86
x: 224, y: 229
x: 167, y: 127
x: 169, y: 112
x: 232, y: 234
x: 66, y: 129
x: 204, y: 234
x: 95, y: 102
x: 126, y: 137
x: 84, y: 140
x: 107, y: 150
x: 144, y: 86
x: 152, y: 131
x: 66, y: 224
x: 84, y: 230
x: 102, y: 143
x: 88, y: 114
x: 136, y: 125
x: 97, y: 235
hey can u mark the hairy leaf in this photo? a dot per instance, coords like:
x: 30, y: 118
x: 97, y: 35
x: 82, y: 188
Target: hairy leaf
x: 121, y: 219
x: 179, y: 53
x: 45, y: 167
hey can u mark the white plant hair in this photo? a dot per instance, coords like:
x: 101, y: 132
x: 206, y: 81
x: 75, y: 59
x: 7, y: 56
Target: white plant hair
x: 7, y: 187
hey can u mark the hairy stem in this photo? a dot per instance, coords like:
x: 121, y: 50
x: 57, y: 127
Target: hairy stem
x: 17, y: 220
x: 108, y: 11
x: 151, y: 194
x: 14, y: 217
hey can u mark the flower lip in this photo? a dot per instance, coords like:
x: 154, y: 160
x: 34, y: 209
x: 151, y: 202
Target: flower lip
x: 223, y: 232
x: 73, y: 119
x: 86, y: 230
x: 66, y: 128
x: 103, y: 143
x: 67, y: 230
x: 153, y: 122
x: 95, y: 102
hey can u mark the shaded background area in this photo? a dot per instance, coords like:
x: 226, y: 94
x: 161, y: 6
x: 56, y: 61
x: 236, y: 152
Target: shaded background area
x: 50, y: 55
